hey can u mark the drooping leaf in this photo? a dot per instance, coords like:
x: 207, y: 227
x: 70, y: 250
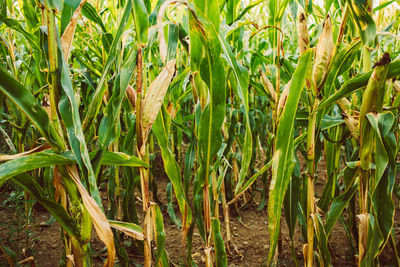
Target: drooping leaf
x: 24, y: 99
x: 129, y: 229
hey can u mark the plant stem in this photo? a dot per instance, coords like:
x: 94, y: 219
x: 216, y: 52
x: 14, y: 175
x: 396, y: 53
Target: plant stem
x: 310, y: 184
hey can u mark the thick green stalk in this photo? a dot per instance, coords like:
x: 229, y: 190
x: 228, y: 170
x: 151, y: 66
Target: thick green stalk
x: 372, y: 102
x: 79, y: 247
x: 366, y: 59
x: 54, y: 90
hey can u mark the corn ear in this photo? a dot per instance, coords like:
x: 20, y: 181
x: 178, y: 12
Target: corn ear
x: 372, y: 102
x: 323, y: 55
x: 282, y: 100
x: 131, y: 95
x: 302, y: 34
x: 268, y: 87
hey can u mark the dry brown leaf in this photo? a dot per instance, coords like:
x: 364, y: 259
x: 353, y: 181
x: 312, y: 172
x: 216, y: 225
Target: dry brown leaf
x: 209, y: 261
x: 15, y: 156
x: 101, y: 224
x: 68, y: 35
x: 363, y: 233
x: 396, y: 86
x: 305, y: 249
x: 58, y: 186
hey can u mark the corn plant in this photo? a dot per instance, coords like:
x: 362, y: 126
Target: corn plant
x: 229, y: 95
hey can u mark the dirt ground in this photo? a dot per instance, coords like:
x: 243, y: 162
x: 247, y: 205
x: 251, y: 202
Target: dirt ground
x: 250, y: 237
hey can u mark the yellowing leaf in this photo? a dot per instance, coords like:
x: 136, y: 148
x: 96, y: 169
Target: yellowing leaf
x: 154, y: 98
x: 129, y: 229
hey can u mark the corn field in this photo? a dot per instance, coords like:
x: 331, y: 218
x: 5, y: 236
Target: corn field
x: 240, y: 103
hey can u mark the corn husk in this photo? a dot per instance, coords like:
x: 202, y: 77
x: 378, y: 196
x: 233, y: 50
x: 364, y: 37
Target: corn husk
x: 323, y: 55
x: 374, y: 92
x: 302, y: 34
x: 282, y: 100
x: 131, y: 95
x: 268, y: 87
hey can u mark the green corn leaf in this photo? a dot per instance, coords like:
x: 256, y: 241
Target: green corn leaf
x: 338, y: 205
x: 55, y: 209
x: 10, y: 256
x: 213, y: 74
x: 385, y: 161
x: 130, y: 229
x: 15, y: 25
x: 251, y: 180
x: 161, y: 129
x: 70, y: 115
x: 189, y: 163
x: 109, y: 126
x: 94, y: 106
x: 90, y: 12
x: 291, y: 200
x: 141, y: 19
x: 51, y: 158
x: 30, y: 14
x: 231, y: 10
x: 322, y: 240
x: 219, y: 246
x: 24, y: 100
x: 364, y: 22
x: 209, y: 10
x: 342, y: 62
x: 282, y: 162
x: 383, y: 5
x: 240, y: 86
x: 121, y: 159
x: 171, y: 206
x: 248, y: 8
x: 162, y: 258
x: 356, y: 83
